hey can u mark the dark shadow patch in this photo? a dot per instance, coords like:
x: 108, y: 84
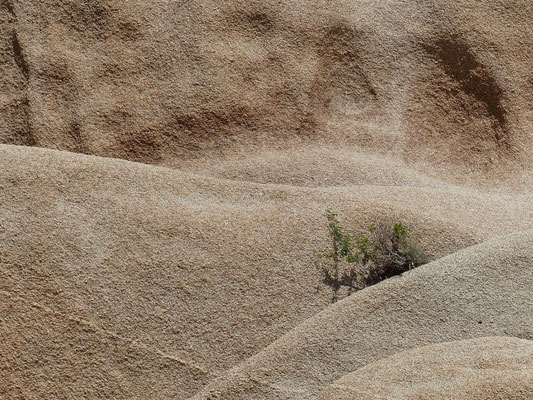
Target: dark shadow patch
x: 29, y: 138
x: 129, y: 30
x: 9, y: 6
x: 474, y: 79
x: 207, y: 125
x: 91, y: 18
x: 254, y: 23
x: 340, y: 53
x: 260, y: 22
x: 19, y: 55
x: 142, y: 146
x: 74, y: 133
x: 456, y: 116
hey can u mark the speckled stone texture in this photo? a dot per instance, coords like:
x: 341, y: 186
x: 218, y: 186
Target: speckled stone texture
x: 165, y: 167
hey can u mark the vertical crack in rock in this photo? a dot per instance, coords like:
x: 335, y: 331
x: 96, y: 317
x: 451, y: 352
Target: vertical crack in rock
x: 19, y: 55
x: 26, y: 109
x: 20, y: 61
x: 18, y: 52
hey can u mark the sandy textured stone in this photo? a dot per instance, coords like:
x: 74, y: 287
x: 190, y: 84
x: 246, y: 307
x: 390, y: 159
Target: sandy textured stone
x: 434, y: 82
x: 484, y: 290
x: 50, y: 355
x: 180, y: 275
x: 477, y: 369
x: 210, y: 271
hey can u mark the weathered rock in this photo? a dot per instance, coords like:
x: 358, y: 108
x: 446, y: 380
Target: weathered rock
x: 128, y: 280
x: 477, y: 369
x: 176, y: 266
x: 445, y: 84
x: 484, y: 290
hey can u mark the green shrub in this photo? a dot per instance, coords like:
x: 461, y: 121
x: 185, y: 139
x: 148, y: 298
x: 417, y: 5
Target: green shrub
x: 356, y: 262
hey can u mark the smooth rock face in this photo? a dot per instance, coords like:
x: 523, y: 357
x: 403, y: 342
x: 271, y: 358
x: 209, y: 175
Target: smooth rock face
x: 192, y: 273
x: 477, y: 369
x: 189, y: 276
x: 484, y: 290
x: 439, y: 82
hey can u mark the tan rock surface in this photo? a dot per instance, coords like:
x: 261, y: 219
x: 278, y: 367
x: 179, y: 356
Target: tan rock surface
x: 151, y: 280
x: 159, y: 256
x: 209, y: 271
x: 434, y: 82
x: 477, y: 369
x: 46, y: 354
x: 484, y: 290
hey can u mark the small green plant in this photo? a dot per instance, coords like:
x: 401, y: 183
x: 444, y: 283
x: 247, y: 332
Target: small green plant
x: 356, y: 262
